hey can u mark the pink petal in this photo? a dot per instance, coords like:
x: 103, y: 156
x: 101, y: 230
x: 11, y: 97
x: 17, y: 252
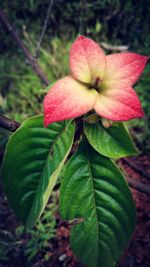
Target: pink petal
x: 124, y: 67
x: 87, y: 60
x: 119, y: 104
x: 67, y: 99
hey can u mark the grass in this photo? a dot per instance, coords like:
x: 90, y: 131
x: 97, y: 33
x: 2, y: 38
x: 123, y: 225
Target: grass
x: 34, y: 243
x: 22, y: 91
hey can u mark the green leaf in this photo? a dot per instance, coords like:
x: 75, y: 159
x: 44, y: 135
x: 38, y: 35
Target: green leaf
x: 113, y: 142
x: 33, y: 160
x: 93, y: 189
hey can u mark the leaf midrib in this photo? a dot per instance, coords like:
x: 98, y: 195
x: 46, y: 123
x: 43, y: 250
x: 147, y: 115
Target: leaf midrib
x: 93, y: 193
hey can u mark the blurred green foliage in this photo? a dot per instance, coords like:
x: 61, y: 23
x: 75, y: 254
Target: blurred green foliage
x: 32, y: 243
x: 22, y: 91
x: 116, y: 21
x: 39, y: 238
x: 141, y: 127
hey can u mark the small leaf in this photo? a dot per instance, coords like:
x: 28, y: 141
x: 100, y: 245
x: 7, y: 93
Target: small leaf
x: 92, y: 118
x: 33, y: 160
x: 94, y: 189
x: 114, y: 142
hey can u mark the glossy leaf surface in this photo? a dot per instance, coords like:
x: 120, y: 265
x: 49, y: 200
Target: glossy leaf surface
x: 114, y: 142
x: 33, y: 160
x: 93, y: 189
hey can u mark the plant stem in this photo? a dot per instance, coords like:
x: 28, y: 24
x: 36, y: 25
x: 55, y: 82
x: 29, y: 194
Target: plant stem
x: 44, y: 28
x: 8, y: 124
x: 137, y: 169
x: 138, y: 186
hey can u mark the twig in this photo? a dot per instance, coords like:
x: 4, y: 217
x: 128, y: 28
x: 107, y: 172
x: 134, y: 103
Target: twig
x: 8, y: 124
x: 138, y: 186
x: 30, y: 58
x: 119, y: 48
x: 44, y: 28
x: 134, y: 167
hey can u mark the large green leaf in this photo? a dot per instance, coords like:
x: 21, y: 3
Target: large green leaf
x: 93, y: 189
x: 114, y: 142
x: 33, y: 159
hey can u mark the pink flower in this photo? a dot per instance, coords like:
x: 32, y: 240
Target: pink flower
x: 99, y: 82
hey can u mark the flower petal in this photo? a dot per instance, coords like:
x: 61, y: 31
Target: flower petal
x: 119, y: 104
x: 67, y: 99
x: 124, y: 68
x: 87, y: 60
